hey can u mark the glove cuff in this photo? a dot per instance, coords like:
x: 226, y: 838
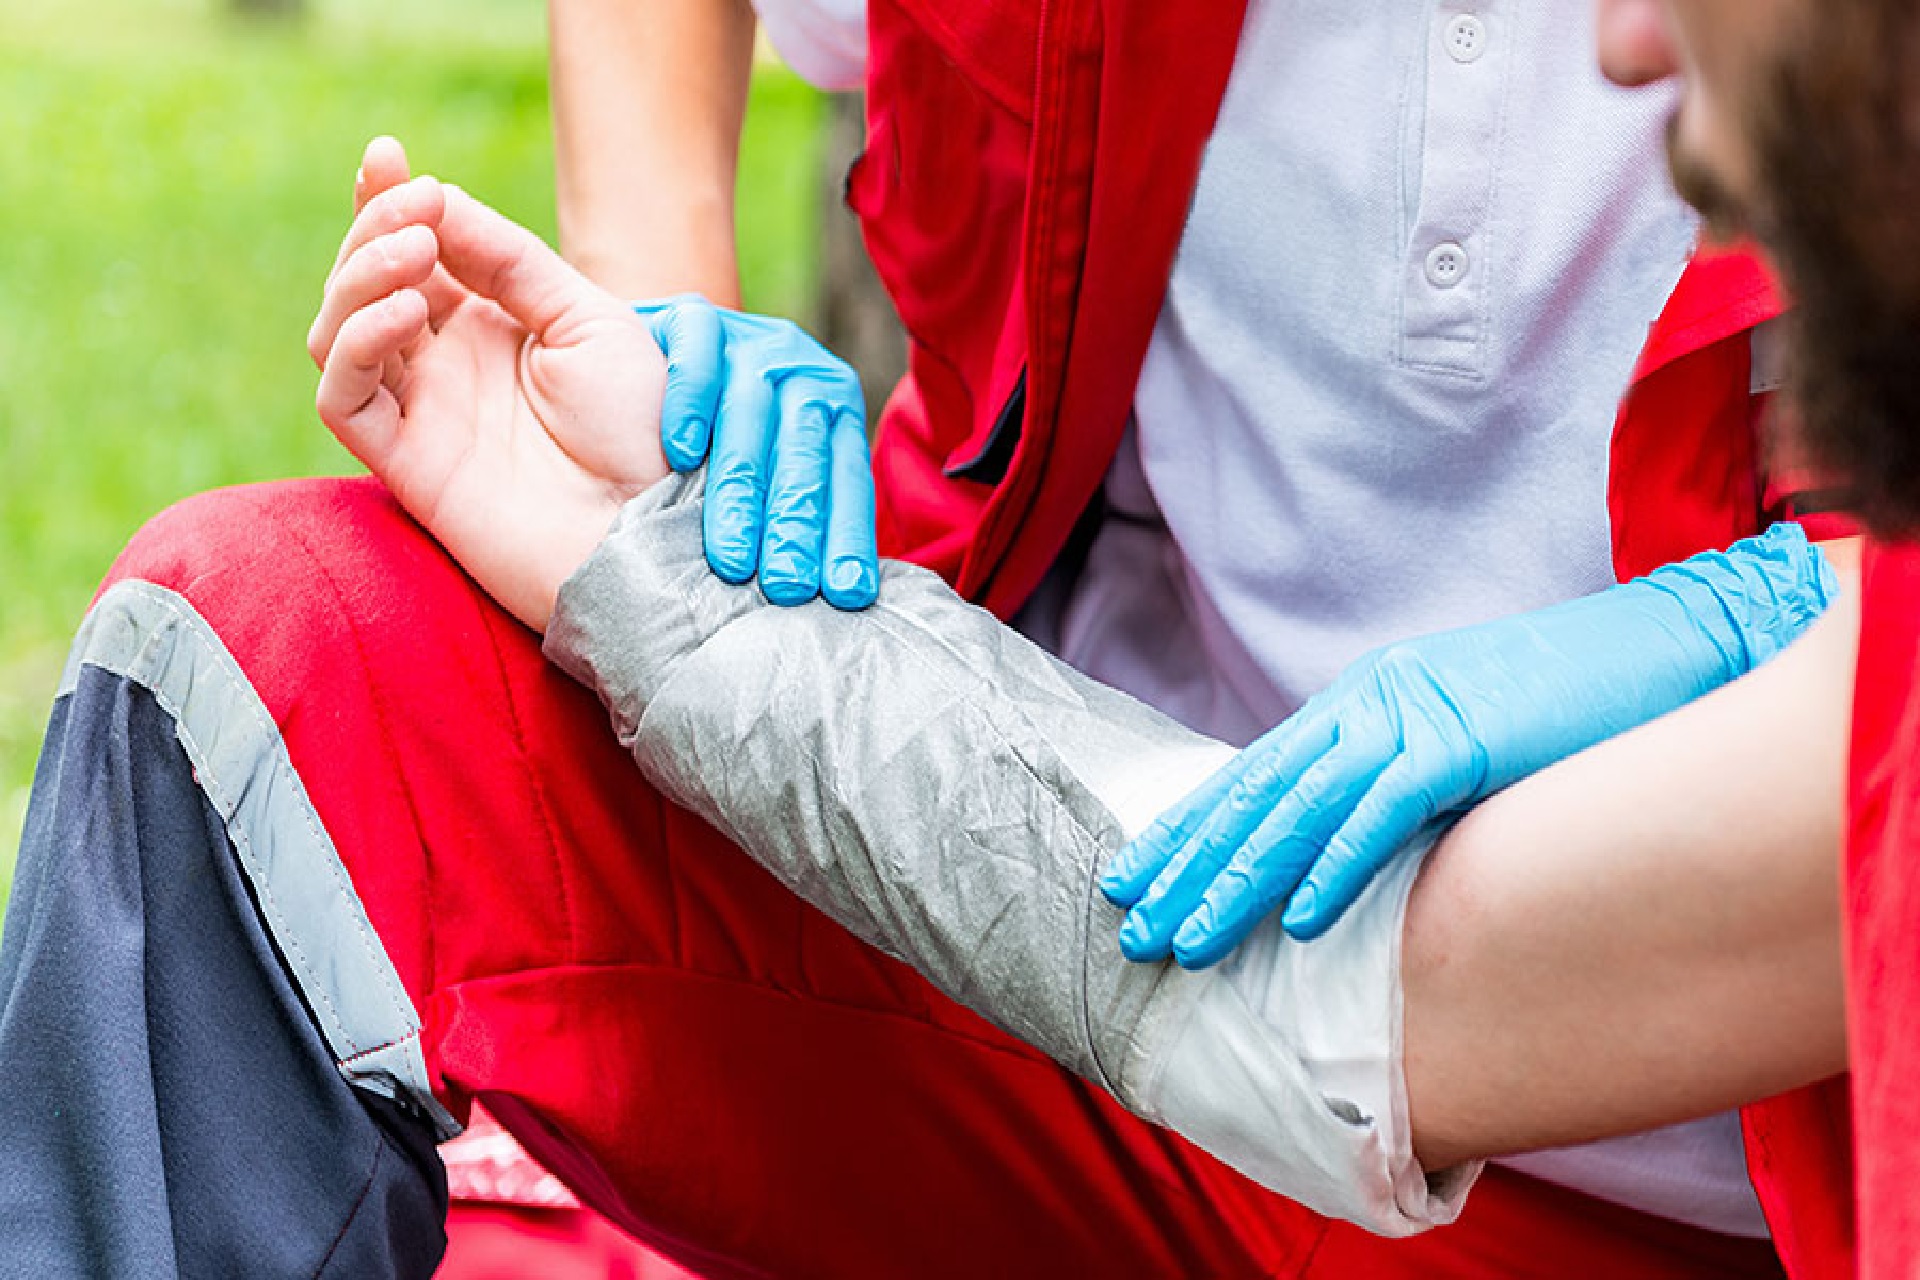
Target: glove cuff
x: 1755, y: 598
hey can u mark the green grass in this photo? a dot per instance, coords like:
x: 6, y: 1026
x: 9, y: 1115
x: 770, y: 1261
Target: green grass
x: 173, y: 183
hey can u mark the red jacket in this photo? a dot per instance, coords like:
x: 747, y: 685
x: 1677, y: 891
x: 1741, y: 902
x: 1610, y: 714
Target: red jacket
x: 1881, y: 902
x: 1025, y: 185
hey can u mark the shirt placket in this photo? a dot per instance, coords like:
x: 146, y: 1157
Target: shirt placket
x: 1447, y: 298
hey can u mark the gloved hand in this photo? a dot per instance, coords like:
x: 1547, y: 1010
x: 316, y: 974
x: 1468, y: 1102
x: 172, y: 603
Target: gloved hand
x: 789, y: 486
x: 1418, y: 730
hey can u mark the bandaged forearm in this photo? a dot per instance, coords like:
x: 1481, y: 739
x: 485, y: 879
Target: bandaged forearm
x: 950, y: 792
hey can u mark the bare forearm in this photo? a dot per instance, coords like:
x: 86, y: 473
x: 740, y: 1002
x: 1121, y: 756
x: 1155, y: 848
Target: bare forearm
x: 648, y: 99
x: 1644, y: 933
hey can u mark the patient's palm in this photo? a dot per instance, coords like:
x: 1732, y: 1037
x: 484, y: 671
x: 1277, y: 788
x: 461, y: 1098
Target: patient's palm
x: 506, y: 439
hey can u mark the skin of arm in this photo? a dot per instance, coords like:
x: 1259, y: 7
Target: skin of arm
x: 1647, y: 932
x: 648, y: 100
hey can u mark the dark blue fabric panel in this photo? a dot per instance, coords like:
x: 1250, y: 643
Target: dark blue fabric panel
x: 166, y: 1104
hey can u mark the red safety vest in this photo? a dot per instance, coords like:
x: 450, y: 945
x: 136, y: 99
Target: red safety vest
x: 1028, y: 171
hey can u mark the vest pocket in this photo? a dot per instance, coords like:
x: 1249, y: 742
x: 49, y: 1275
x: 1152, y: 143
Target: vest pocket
x: 941, y: 192
x: 990, y: 463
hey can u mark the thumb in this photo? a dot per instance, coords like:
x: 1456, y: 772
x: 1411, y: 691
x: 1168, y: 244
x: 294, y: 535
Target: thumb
x: 505, y: 263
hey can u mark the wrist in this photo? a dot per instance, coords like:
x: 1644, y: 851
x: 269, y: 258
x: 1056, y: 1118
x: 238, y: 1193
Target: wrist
x: 530, y: 588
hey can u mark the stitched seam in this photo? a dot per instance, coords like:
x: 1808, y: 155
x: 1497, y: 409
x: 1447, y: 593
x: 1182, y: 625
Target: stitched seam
x: 366, y: 1189
x: 1048, y: 143
x: 399, y: 774
x: 338, y: 869
x: 1313, y: 1254
x: 380, y: 1048
x: 237, y: 828
x: 1409, y: 209
x: 490, y: 619
x: 949, y: 40
x: 1493, y: 205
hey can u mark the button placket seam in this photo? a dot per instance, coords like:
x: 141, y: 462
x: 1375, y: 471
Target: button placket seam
x: 1420, y: 328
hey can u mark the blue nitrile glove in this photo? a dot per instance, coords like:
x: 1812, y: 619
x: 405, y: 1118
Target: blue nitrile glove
x: 782, y: 424
x: 1418, y: 730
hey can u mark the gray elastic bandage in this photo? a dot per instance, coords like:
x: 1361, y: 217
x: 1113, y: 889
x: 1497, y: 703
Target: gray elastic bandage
x: 950, y: 792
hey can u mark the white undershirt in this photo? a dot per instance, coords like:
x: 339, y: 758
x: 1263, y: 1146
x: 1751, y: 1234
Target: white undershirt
x: 1425, y: 246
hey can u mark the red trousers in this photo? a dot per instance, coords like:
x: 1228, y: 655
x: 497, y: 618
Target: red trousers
x: 702, y: 1057
x: 514, y: 1242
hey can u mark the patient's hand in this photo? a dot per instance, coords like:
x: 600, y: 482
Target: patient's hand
x: 511, y: 405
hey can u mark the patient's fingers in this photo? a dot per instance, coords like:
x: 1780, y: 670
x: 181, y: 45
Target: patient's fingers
x: 383, y: 166
x: 354, y: 399
x: 419, y: 200
x: 502, y: 261
x: 398, y: 260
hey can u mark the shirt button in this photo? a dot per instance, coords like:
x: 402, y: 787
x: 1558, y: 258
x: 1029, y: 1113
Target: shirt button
x: 1466, y: 38
x: 1446, y: 265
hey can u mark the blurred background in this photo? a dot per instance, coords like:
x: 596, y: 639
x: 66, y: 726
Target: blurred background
x: 175, y: 176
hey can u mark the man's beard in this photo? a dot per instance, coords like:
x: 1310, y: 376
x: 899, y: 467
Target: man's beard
x: 1837, y: 147
x: 1701, y: 186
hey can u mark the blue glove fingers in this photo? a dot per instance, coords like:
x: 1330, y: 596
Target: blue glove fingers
x: 691, y: 338
x: 796, y: 520
x: 1282, y: 753
x: 1388, y: 818
x: 1139, y: 863
x: 1146, y: 935
x: 851, y: 578
x: 737, y: 475
x: 1311, y: 802
x: 1265, y: 869
x: 1258, y: 879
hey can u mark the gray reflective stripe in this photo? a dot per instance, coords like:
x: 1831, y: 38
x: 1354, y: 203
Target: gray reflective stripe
x: 154, y: 638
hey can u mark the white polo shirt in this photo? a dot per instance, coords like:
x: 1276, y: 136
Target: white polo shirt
x: 1424, y: 250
